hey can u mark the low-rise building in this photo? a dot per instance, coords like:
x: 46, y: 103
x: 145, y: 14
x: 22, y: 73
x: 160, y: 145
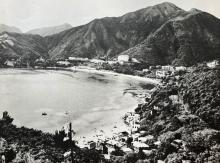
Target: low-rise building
x: 180, y: 68
x: 161, y: 73
x: 78, y: 59
x: 213, y: 64
x: 123, y: 58
x: 168, y: 68
x: 3, y: 143
x: 10, y: 63
x: 63, y: 63
x: 137, y: 145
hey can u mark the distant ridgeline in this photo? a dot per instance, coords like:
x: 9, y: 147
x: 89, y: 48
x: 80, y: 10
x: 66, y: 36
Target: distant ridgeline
x: 157, y: 35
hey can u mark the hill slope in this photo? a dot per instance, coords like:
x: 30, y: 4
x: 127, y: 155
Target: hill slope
x: 112, y: 35
x: 160, y: 34
x: 184, y: 40
x: 24, y: 46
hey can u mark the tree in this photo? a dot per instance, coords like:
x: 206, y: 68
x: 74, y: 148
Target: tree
x: 7, y: 118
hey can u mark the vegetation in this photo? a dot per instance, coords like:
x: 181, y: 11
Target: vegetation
x: 188, y: 129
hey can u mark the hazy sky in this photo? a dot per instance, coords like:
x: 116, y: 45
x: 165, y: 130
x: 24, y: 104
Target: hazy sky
x: 29, y: 14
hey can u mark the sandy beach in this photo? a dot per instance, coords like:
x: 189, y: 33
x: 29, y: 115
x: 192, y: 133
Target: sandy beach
x: 93, y: 70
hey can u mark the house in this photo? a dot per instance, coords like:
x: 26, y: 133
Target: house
x: 161, y: 73
x: 174, y: 98
x: 137, y: 145
x: 146, y: 138
x: 77, y: 60
x: 3, y: 143
x: 180, y: 68
x: 10, y: 63
x: 112, y: 62
x: 92, y: 145
x: 213, y: 64
x: 97, y: 61
x: 135, y: 127
x: 158, y: 66
x: 123, y: 58
x: 126, y: 150
x: 146, y: 70
x: 152, y: 67
x: 41, y: 60
x: 63, y: 63
x: 168, y: 68
x: 134, y: 60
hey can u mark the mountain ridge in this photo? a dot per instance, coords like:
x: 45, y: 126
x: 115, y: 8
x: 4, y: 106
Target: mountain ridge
x: 186, y: 40
x: 46, y: 31
x: 111, y: 35
x: 160, y: 34
x: 7, y: 28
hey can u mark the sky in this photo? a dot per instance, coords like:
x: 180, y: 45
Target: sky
x: 31, y: 14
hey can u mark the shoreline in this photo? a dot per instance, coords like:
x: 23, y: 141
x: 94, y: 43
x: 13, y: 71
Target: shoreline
x: 93, y: 70
x: 117, y: 123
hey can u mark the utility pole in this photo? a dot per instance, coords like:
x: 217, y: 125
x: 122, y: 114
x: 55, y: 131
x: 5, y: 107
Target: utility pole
x: 71, y: 142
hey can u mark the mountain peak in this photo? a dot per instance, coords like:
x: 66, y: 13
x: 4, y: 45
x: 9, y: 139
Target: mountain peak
x: 194, y: 10
x: 167, y: 5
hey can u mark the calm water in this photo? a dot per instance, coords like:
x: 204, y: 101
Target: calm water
x: 90, y: 101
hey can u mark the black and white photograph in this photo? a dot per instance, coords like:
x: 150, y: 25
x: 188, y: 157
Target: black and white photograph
x: 109, y: 81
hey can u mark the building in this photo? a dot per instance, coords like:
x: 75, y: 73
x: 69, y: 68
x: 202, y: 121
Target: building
x: 63, y: 63
x: 168, y: 68
x: 78, y: 59
x: 10, y: 63
x: 180, y: 68
x: 213, y: 64
x: 161, y: 73
x: 123, y: 58
x: 134, y: 60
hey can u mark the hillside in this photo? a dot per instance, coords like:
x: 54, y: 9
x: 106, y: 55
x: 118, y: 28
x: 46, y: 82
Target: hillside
x: 47, y: 31
x: 111, y: 35
x: 184, y: 118
x: 6, y: 28
x: 23, y: 46
x: 184, y: 40
x: 160, y: 34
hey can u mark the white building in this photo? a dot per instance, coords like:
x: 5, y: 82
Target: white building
x: 78, y: 59
x: 180, y: 68
x: 123, y: 58
x: 213, y: 64
x: 3, y: 143
x: 63, y: 63
x: 9, y: 63
x: 97, y: 61
x: 168, y: 68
